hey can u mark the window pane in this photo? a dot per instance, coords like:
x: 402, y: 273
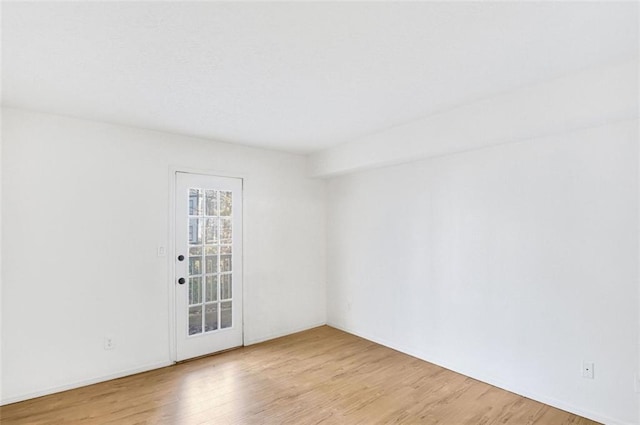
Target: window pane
x: 195, y: 250
x: 195, y: 266
x: 225, y: 263
x: 211, y: 231
x: 225, y: 286
x: 225, y: 249
x: 211, y: 317
x: 211, y: 250
x: 211, y: 202
x: 195, y: 320
x: 195, y: 231
x: 195, y: 202
x: 225, y: 315
x: 211, y: 286
x: 225, y: 203
x: 195, y: 290
x: 211, y: 262
x: 225, y: 230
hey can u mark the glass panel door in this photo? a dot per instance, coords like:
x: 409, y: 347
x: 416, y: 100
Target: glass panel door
x: 208, y: 264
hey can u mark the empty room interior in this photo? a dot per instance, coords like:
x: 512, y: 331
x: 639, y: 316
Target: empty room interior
x: 320, y: 212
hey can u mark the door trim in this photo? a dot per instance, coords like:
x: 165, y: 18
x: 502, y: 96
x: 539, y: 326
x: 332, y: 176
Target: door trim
x: 172, y: 253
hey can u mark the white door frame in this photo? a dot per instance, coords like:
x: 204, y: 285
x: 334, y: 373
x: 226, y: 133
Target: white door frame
x: 172, y: 252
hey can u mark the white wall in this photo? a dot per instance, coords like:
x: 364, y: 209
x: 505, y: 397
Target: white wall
x: 510, y: 264
x: 1, y: 373
x: 85, y: 206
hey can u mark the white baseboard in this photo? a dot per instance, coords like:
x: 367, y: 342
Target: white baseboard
x: 279, y: 334
x: 83, y: 383
x: 489, y: 380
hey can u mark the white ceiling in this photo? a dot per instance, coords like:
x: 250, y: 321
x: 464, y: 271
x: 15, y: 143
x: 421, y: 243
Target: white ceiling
x: 293, y: 76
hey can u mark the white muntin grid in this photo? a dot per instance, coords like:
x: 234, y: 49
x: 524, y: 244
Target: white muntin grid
x: 209, y: 225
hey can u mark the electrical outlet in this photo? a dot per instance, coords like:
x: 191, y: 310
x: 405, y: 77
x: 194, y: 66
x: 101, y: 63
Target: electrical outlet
x: 109, y: 344
x: 587, y: 370
x: 162, y: 251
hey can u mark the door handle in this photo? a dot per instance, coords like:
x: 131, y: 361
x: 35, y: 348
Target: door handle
x: 181, y: 281
x: 180, y: 257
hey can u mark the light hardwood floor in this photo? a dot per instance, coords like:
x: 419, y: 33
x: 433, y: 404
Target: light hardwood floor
x: 320, y: 376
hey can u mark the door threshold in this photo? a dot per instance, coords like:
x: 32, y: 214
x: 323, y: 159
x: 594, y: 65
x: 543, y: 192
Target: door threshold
x: 209, y: 355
